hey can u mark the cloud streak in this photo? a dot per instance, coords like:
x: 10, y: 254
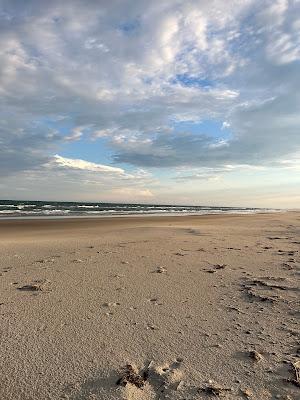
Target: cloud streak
x: 84, y: 165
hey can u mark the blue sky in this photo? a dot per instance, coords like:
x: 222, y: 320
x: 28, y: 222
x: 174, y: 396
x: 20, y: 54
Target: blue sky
x: 99, y: 150
x: 160, y: 102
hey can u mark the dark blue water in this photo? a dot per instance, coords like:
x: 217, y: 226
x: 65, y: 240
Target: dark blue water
x: 13, y: 208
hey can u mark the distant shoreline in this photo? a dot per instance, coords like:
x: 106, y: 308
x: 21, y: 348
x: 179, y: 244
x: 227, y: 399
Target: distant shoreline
x: 141, y: 215
x: 40, y: 209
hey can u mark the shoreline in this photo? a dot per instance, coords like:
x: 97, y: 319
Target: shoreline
x: 39, y: 209
x: 177, y: 214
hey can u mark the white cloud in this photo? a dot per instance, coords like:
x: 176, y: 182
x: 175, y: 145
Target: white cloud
x: 102, y: 133
x: 219, y: 143
x: 75, y: 135
x: 85, y: 165
x: 93, y: 43
x: 132, y: 193
x: 225, y: 125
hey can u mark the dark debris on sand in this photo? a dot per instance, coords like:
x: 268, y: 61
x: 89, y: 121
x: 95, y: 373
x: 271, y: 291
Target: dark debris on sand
x: 212, y: 390
x: 255, y: 355
x: 31, y: 288
x: 37, y: 286
x: 215, y: 268
x: 296, y: 370
x: 132, y: 376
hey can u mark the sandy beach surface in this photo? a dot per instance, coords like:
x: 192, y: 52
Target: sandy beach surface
x: 150, y: 308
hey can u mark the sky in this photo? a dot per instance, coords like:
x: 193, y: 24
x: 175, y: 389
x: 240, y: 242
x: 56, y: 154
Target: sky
x: 170, y: 102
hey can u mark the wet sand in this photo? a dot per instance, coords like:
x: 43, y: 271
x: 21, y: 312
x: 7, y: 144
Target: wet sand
x: 150, y: 308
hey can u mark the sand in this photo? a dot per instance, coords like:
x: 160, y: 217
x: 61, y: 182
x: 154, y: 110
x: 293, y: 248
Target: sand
x: 150, y: 308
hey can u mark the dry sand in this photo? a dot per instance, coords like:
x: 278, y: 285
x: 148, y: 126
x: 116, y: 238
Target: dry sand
x: 196, y: 307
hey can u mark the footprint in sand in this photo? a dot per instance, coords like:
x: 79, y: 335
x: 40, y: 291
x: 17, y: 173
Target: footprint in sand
x: 267, y: 289
x: 152, y: 382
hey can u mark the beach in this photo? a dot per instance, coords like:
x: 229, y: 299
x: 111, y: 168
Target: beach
x: 172, y: 307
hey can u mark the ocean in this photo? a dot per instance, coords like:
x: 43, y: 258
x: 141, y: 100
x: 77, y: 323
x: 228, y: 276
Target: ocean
x: 17, y: 208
